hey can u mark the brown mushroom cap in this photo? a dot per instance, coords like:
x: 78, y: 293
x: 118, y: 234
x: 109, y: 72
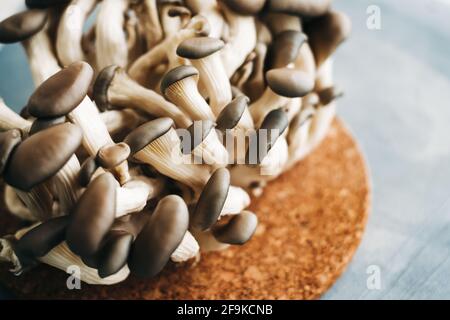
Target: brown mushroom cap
x: 211, y: 201
x: 143, y: 135
x: 8, y: 141
x: 160, y: 237
x: 247, y: 7
x: 238, y: 230
x: 326, y: 33
x: 93, y: 216
x: 114, y: 253
x: 101, y: 86
x: 285, y: 48
x: 42, y: 4
x: 41, y: 239
x: 111, y: 156
x: 62, y: 92
x: 289, y: 83
x: 327, y: 95
x: 177, y: 74
x: 42, y: 155
x: 199, y: 47
x: 22, y: 26
x: 45, y: 123
x: 198, y: 131
x: 300, y: 7
x: 230, y: 116
x: 87, y: 170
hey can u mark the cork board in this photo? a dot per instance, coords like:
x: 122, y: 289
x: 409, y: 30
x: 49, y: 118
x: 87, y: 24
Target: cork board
x: 312, y: 219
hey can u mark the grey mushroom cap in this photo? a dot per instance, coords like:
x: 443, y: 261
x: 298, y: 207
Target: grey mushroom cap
x: 22, y: 26
x: 48, y: 151
x: 42, y: 4
x: 198, y: 131
x: 143, y: 135
x: 247, y: 7
x: 289, y: 83
x: 300, y: 7
x: 211, y: 201
x: 45, y: 123
x: 87, y: 170
x: 93, y: 216
x: 101, y: 86
x: 111, y: 156
x: 160, y: 237
x: 114, y: 253
x: 62, y: 92
x: 230, y: 116
x: 8, y: 141
x: 285, y: 48
x: 41, y: 239
x: 327, y: 95
x: 199, y: 47
x: 177, y: 74
x: 238, y: 230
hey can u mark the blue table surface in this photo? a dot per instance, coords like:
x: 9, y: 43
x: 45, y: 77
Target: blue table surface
x: 397, y: 93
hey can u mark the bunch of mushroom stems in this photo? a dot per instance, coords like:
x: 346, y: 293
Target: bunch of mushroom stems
x: 151, y: 129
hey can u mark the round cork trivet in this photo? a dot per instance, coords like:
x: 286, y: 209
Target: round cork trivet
x: 311, y: 218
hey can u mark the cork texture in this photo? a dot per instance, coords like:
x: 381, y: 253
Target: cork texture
x: 312, y: 219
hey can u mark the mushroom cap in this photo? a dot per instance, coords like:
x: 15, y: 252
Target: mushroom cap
x: 93, y: 216
x: 177, y: 74
x: 285, y: 48
x: 300, y: 7
x: 8, y: 141
x: 114, y: 253
x: 42, y: 155
x: 22, y: 26
x: 198, y: 131
x: 238, y: 230
x: 42, y: 239
x: 211, y: 201
x: 327, y: 95
x: 199, y: 47
x: 289, y: 83
x: 111, y: 156
x: 62, y: 92
x: 42, y: 4
x: 45, y: 123
x: 143, y: 135
x: 230, y: 116
x: 101, y: 86
x: 87, y: 170
x: 275, y: 119
x: 160, y: 237
x: 248, y: 7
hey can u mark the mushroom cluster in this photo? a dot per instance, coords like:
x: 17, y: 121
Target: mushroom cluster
x: 148, y: 131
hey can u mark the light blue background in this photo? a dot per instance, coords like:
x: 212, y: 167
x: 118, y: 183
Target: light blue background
x: 397, y: 102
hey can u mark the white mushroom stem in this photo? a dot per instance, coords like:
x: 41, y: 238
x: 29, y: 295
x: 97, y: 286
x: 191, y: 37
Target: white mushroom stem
x: 293, y: 107
x: 66, y: 184
x: 165, y: 50
x: 117, y: 121
x: 273, y: 163
x: 125, y: 92
x: 298, y: 136
x: 305, y: 61
x: 16, y: 206
x: 236, y: 201
x: 41, y: 57
x: 242, y: 33
x: 172, y: 24
x: 187, y: 249
x: 151, y: 24
x: 164, y: 154
x: 39, y: 200
x: 208, y: 243
x: 211, y: 11
x: 11, y: 120
x: 111, y: 43
x: 211, y: 151
x: 70, y: 31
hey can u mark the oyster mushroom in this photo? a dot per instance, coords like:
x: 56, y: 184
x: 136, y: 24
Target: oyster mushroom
x: 204, y: 54
x: 15, y: 206
x: 111, y: 43
x: 173, y: 16
x: 280, y: 22
x: 10, y: 120
x: 238, y: 230
x: 180, y: 86
x: 285, y: 48
x: 114, y: 157
x: 114, y: 87
x: 156, y: 143
x: 165, y: 233
x: 300, y: 7
x: 52, y: 151
x: 249, y: 7
x: 150, y: 22
x: 70, y: 31
x: 22, y: 26
x: 205, y: 145
x: 210, y: 9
